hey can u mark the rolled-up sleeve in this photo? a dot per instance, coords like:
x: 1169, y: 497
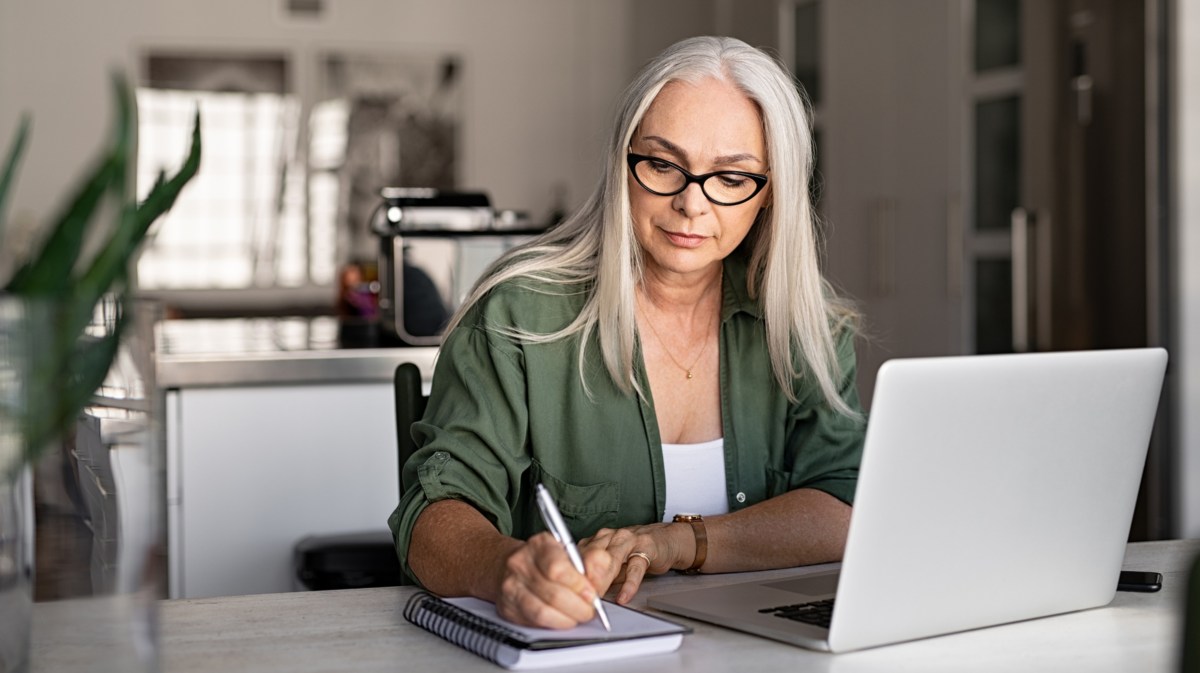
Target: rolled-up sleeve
x: 825, y: 445
x: 472, y: 437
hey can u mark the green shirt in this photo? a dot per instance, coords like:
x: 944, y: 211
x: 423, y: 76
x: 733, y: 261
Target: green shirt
x: 505, y: 415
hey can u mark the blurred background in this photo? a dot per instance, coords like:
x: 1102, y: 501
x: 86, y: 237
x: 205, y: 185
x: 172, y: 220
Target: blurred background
x: 993, y: 175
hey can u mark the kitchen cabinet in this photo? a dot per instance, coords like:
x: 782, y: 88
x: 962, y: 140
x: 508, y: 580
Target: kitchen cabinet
x: 267, y: 447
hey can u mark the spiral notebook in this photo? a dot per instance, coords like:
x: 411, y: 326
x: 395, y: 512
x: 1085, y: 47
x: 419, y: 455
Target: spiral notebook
x: 474, y: 625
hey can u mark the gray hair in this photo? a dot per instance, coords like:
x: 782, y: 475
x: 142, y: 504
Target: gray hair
x: 595, y: 247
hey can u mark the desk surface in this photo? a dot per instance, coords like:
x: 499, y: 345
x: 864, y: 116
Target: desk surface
x: 363, y: 630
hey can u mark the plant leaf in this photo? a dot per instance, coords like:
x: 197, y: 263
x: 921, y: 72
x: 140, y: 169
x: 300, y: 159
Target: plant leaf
x: 49, y: 272
x: 111, y: 264
x: 10, y: 169
x: 52, y: 270
x: 58, y: 401
x: 162, y: 197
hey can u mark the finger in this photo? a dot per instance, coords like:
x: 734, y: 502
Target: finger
x: 521, y: 606
x: 542, y: 587
x: 602, y: 567
x: 635, y: 571
x: 618, y: 543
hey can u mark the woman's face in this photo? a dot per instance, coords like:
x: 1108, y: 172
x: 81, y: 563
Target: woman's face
x: 703, y: 127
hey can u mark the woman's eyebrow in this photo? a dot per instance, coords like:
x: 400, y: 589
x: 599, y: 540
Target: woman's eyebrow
x: 718, y: 161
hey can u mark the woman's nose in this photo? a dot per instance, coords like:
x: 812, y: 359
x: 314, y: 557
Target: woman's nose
x: 691, y: 201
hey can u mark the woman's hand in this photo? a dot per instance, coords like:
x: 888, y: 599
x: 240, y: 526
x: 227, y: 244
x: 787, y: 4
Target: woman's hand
x: 541, y: 587
x: 632, y: 553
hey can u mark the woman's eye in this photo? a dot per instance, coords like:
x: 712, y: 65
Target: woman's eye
x: 732, y: 181
x: 661, y: 166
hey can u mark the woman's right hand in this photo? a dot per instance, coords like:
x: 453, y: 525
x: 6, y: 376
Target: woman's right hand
x: 455, y: 551
x: 540, y: 587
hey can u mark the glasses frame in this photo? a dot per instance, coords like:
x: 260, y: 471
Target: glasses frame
x: 758, y: 179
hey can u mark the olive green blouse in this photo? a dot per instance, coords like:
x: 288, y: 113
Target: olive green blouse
x: 504, y: 415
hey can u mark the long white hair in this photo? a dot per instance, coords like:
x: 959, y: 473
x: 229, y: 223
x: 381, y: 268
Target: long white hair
x: 595, y: 251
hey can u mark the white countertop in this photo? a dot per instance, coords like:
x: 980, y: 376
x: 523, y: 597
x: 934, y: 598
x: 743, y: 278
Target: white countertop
x: 363, y: 630
x: 272, y: 351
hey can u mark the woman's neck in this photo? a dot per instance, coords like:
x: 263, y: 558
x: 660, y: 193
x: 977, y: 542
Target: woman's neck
x: 679, y: 294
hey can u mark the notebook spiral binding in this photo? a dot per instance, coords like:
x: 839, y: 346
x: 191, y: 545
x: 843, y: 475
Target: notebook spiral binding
x: 460, y: 627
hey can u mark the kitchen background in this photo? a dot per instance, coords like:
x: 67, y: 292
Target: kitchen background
x: 995, y: 175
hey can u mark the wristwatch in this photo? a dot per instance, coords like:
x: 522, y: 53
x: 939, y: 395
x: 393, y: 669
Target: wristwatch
x: 701, y: 534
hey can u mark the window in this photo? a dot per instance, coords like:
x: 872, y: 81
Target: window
x: 287, y: 172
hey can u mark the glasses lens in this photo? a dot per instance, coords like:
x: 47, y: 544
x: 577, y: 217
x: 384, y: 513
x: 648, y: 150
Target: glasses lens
x: 729, y: 187
x: 659, y: 176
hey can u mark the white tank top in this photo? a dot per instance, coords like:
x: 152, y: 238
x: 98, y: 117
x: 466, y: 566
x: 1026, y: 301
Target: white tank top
x: 695, y: 476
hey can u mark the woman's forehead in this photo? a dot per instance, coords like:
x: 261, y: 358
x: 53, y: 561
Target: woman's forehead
x: 705, y: 119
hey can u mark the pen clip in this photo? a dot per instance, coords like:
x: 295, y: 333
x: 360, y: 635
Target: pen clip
x: 550, y: 524
x: 550, y: 515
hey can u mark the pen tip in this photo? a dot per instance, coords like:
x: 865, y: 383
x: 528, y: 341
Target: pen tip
x: 602, y: 615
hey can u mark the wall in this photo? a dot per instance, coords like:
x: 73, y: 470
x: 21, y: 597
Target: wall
x: 890, y: 160
x: 540, y: 76
x: 1185, y: 217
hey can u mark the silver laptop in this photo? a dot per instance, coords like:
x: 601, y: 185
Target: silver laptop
x: 992, y: 489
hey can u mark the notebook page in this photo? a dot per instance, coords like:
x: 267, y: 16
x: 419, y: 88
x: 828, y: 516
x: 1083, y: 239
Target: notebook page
x: 626, y: 623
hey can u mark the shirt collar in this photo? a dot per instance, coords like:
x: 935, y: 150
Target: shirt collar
x: 735, y: 293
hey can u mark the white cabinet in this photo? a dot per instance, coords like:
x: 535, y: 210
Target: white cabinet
x: 252, y: 469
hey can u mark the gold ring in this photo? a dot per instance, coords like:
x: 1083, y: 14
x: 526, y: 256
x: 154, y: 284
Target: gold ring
x: 640, y: 554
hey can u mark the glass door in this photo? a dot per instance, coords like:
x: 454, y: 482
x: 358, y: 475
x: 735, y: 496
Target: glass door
x: 995, y: 93
x: 1055, y: 242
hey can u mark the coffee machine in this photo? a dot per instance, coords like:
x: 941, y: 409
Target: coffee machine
x: 433, y: 247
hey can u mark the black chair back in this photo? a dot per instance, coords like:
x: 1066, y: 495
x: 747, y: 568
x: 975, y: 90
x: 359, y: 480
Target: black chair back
x: 410, y: 407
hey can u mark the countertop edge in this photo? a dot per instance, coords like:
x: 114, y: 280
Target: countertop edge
x: 359, y: 365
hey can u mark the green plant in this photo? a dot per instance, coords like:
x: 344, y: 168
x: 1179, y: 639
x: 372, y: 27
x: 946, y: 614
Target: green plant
x: 101, y: 214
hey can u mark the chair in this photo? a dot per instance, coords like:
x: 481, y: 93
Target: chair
x: 366, y: 559
x: 410, y: 407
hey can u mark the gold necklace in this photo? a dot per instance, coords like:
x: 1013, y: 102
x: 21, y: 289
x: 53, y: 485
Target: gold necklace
x: 687, y: 370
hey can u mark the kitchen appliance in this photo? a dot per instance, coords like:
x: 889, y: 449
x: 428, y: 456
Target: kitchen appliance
x: 433, y: 247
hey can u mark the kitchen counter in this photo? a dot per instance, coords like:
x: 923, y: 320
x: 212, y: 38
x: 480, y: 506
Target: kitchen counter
x: 272, y: 351
x: 274, y: 432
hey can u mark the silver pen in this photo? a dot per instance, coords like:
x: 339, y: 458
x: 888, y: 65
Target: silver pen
x: 558, y: 528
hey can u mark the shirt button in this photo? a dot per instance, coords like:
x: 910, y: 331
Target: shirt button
x: 741, y: 497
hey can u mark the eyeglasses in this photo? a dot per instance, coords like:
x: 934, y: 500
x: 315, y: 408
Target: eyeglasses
x: 724, y: 188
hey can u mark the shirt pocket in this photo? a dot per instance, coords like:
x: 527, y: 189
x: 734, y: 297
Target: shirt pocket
x: 585, y: 508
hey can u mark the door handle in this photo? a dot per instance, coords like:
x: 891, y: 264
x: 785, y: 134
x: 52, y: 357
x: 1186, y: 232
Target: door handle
x: 1083, y: 87
x: 882, y: 225
x: 1020, y: 280
x: 1031, y: 280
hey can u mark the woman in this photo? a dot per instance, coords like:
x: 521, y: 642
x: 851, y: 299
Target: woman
x: 671, y: 348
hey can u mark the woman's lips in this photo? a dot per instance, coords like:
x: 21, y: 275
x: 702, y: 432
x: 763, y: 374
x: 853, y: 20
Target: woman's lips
x: 685, y: 240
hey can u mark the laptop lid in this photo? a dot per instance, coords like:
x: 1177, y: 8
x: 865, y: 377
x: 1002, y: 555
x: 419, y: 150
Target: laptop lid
x: 992, y: 489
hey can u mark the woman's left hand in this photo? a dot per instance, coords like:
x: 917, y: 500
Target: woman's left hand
x: 635, y: 552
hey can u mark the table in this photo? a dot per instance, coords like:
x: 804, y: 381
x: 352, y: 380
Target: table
x: 363, y: 630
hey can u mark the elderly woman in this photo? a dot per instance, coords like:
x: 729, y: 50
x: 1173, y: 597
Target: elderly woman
x: 668, y: 362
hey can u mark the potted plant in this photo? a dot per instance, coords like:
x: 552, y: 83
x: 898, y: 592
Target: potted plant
x: 53, y: 354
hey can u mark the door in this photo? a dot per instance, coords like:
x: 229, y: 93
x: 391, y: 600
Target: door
x: 1057, y: 243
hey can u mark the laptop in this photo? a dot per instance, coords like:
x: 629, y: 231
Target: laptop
x: 992, y: 489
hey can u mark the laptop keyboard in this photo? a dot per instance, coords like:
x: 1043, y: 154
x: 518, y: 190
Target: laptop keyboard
x: 817, y: 613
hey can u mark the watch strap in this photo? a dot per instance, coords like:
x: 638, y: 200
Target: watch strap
x: 701, y: 533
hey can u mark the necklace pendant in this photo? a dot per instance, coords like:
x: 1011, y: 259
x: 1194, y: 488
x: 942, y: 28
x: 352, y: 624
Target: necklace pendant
x: 689, y: 373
